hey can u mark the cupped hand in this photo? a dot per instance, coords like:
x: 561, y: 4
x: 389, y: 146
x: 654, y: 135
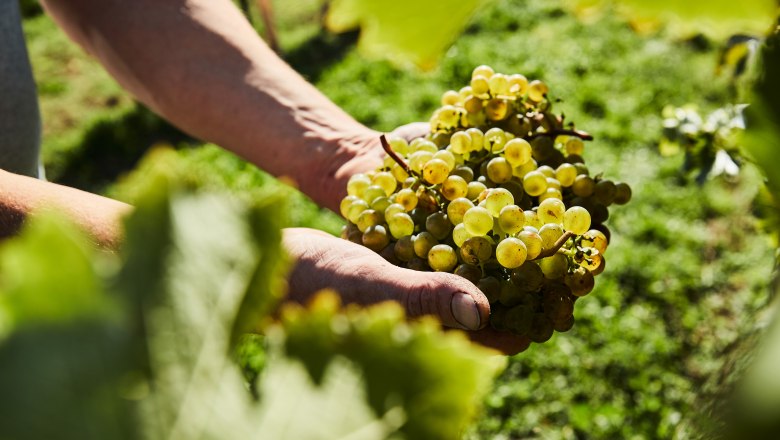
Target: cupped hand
x: 362, y: 276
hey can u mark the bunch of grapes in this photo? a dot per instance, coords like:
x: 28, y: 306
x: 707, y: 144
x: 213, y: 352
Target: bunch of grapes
x: 498, y: 192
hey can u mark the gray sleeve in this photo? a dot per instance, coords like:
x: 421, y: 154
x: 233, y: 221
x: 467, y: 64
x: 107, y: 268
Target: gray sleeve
x: 20, y: 124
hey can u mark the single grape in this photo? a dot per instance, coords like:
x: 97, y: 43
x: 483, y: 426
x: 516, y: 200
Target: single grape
x: 566, y: 173
x: 591, y: 262
x: 450, y: 97
x: 357, y: 184
x: 496, y: 199
x: 477, y: 138
x: 407, y: 198
x: 541, y: 328
x: 622, y: 193
x: 604, y: 192
x: 518, y: 84
x: 460, y: 234
x: 483, y: 70
x: 553, y: 183
x: 535, y: 183
x: 460, y: 142
x: 394, y: 208
x: 550, y: 234
x: 423, y: 242
x: 537, y: 90
x: 532, y: 219
x: 345, y: 204
x: 375, y: 238
x: 454, y: 187
x: 583, y: 186
x: 580, y: 281
x: 576, y: 220
x: 555, y: 266
x: 528, y: 277
x: 398, y: 144
x: 497, y: 109
x: 551, y: 193
x: 490, y: 286
x: 418, y: 264
x: 509, y: 295
x: 439, y: 225
x: 511, y: 252
x: 418, y: 159
x: 533, y: 243
x: 551, y: 211
x: 352, y: 233
x: 511, y: 219
x: 595, y: 239
x: 473, y: 105
x: 442, y: 258
x: 436, y: 171
x: 457, y: 209
x: 400, y: 225
x: 517, y: 152
x: 447, y: 157
x: 479, y: 85
x: 404, y: 248
x: 498, y: 84
x: 475, y: 188
x: 575, y: 146
x: 464, y: 172
x: 369, y: 217
x: 372, y: 192
x: 470, y: 272
x: 476, y: 250
x: 355, y: 209
x: 565, y: 325
x: 386, y: 181
x: 499, y: 170
x: 478, y: 221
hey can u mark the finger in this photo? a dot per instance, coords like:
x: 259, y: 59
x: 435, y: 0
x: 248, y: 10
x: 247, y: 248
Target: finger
x: 456, y: 301
x: 412, y: 131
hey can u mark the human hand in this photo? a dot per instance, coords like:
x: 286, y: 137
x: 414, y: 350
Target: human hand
x: 362, y: 276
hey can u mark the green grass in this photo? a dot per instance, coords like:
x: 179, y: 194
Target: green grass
x: 688, y: 267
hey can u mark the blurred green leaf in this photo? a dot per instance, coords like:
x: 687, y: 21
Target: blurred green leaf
x: 403, y: 31
x: 438, y: 380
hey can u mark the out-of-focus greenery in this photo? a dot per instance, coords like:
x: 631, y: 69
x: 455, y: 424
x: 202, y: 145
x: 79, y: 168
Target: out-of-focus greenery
x: 687, y: 270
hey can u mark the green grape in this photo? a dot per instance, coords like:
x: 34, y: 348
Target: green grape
x: 595, y: 239
x: 418, y: 159
x: 524, y: 169
x: 345, y: 204
x: 369, y: 217
x: 547, y: 170
x: 497, y: 109
x: 581, y: 168
x: 380, y: 204
x: 355, y: 209
x: 511, y: 219
x: 386, y: 181
x: 483, y: 70
x: 551, y: 193
x: 477, y: 138
x: 509, y: 295
x: 555, y: 266
x: 535, y: 183
x: 519, y: 319
x: 536, y: 90
x: 447, y: 157
x: 604, y: 192
x: 551, y: 211
x: 399, y: 173
x: 439, y: 225
x: 517, y: 152
x: 352, y: 233
x: 457, y: 208
x: 566, y: 173
x: 575, y: 146
x: 580, y: 281
x: 598, y: 213
x: 400, y: 225
x: 442, y: 258
x: 511, y: 252
x: 460, y: 234
x: 463, y: 171
x: 533, y: 243
x: 600, y: 268
x: 494, y: 139
x: 497, y: 315
x: 372, y: 192
x: 407, y: 198
x: 418, y: 264
x: 404, y: 248
x: 450, y: 97
x: 423, y: 242
x: 473, y: 105
x: 518, y: 84
x: 460, y: 142
x: 496, y: 199
x: 357, y: 184
x: 542, y: 148
x: 622, y: 193
x: 490, y: 286
x: 550, y: 234
x: 541, y: 327
x: 498, y: 84
x: 436, y: 171
x: 532, y: 219
x: 553, y: 183
x: 557, y: 303
x: 465, y: 92
x: 454, y: 187
x: 449, y: 116
x: 528, y: 277
x: 499, y: 170
x: 476, y: 250
x: 583, y: 186
x: 388, y: 253
x: 565, y: 325
x: 375, y: 238
x: 479, y: 85
x: 478, y: 221
x: 394, y: 208
x: 576, y: 220
x: 470, y: 272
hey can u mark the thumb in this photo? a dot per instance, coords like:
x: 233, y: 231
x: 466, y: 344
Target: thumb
x: 456, y: 301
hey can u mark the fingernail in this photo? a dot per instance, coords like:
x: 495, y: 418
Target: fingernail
x: 465, y: 311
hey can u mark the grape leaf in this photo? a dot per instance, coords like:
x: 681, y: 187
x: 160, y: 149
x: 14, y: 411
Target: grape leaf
x: 716, y: 18
x: 403, y: 31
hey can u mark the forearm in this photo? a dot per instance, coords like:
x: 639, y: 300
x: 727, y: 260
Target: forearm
x: 22, y: 197
x: 201, y: 65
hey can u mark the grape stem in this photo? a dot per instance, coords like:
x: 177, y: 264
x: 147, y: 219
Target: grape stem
x: 558, y: 244
x: 553, y: 133
x: 393, y: 155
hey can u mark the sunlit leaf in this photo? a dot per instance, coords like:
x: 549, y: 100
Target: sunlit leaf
x: 404, y: 31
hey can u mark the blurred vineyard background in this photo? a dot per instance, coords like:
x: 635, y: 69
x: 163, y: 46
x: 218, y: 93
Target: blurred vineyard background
x: 664, y: 336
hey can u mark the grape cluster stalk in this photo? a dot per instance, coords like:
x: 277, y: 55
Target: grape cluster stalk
x: 498, y: 192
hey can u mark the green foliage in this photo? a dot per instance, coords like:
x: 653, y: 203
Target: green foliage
x: 403, y: 31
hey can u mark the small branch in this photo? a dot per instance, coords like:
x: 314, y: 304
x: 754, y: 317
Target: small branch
x: 558, y: 244
x: 393, y: 155
x: 552, y: 133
